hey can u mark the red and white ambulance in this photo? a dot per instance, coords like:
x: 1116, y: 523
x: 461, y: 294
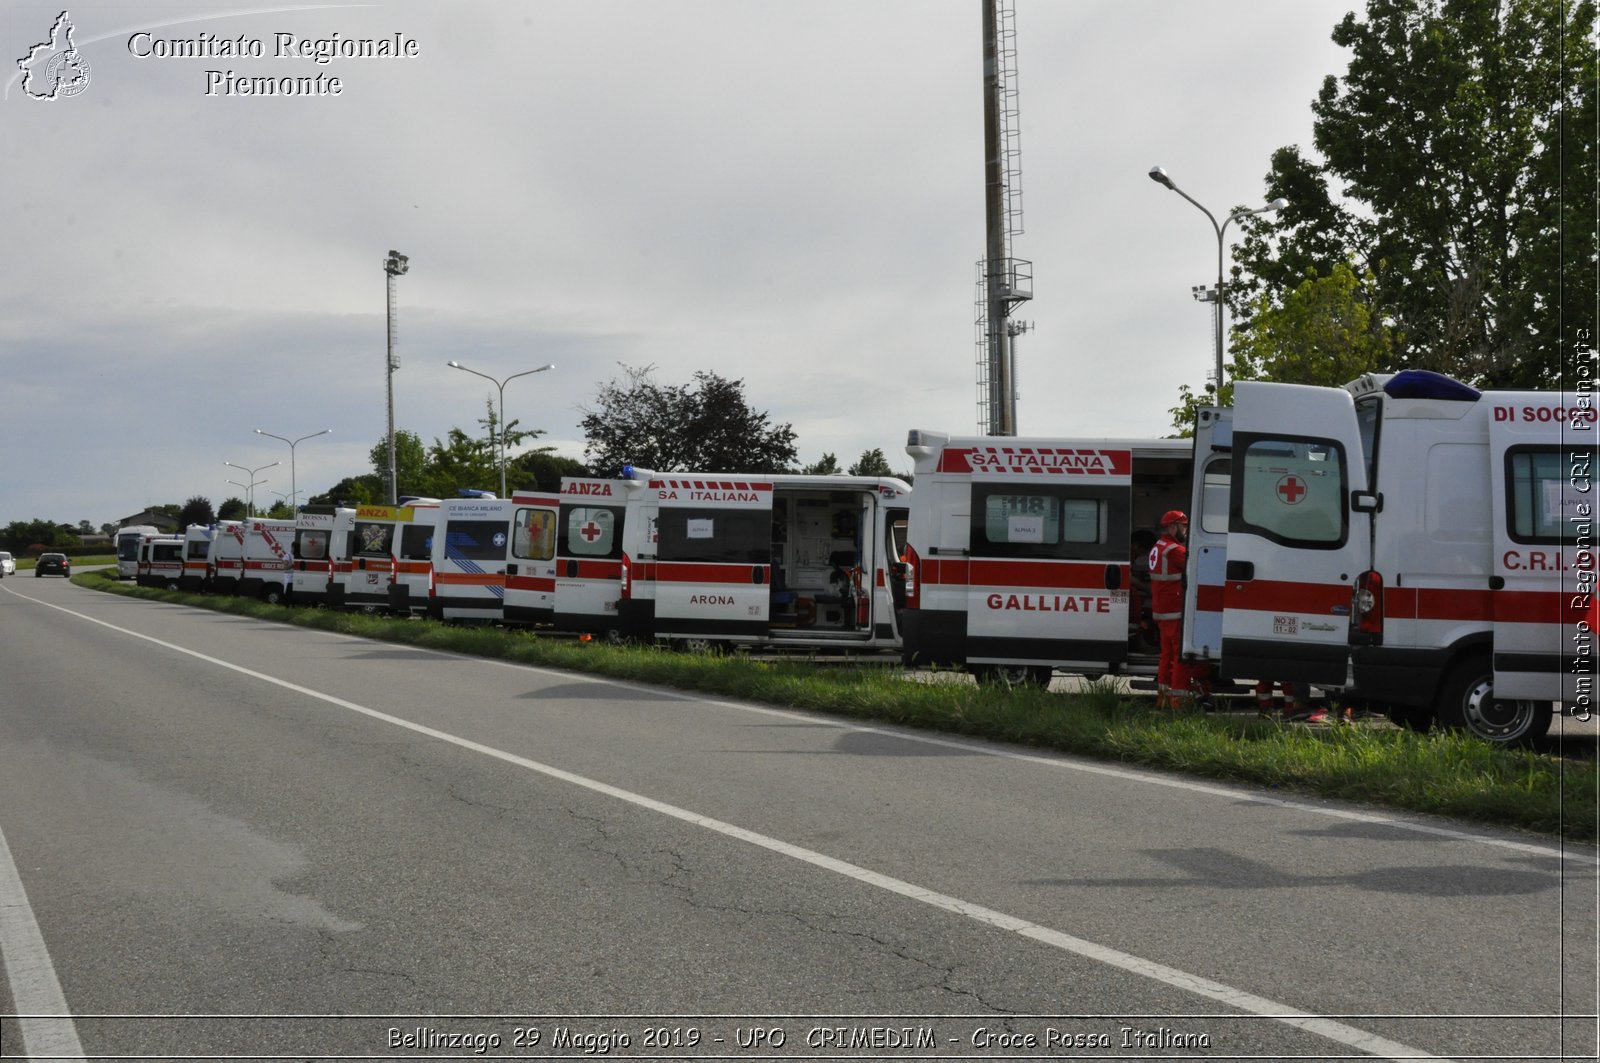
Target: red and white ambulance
x: 1414, y: 542
x: 383, y: 556
x: 253, y: 558
x: 786, y: 561
x: 160, y: 562
x: 1018, y: 555
x: 315, y: 549
x: 588, y: 558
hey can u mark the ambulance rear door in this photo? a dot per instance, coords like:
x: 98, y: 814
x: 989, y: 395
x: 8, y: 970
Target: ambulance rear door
x: 588, y: 566
x: 1542, y: 474
x: 1048, y: 558
x: 713, y: 564
x: 471, y: 551
x: 415, y: 526
x: 531, y: 569
x: 371, y: 554
x: 1208, y: 534
x: 1295, y: 543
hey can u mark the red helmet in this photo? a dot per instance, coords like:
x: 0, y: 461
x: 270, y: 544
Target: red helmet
x: 1173, y: 516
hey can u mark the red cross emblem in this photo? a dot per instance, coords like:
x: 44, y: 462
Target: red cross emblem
x: 1291, y: 489
x: 590, y: 531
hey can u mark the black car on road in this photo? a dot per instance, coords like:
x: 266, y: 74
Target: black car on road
x: 53, y: 565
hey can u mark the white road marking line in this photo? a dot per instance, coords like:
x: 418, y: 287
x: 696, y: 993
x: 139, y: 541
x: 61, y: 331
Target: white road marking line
x: 1358, y: 1039
x: 35, y: 990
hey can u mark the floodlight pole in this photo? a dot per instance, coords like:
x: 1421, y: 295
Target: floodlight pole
x: 250, y: 502
x: 1159, y: 176
x: 393, y: 266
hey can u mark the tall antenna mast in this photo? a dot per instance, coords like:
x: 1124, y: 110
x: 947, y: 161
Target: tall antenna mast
x: 1003, y: 281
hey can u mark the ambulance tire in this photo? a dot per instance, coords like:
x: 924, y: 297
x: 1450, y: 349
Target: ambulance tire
x: 710, y: 647
x: 1467, y: 703
x: 272, y: 594
x: 172, y: 586
x: 1014, y: 675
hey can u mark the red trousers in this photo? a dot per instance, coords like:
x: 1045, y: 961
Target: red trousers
x: 1174, y: 674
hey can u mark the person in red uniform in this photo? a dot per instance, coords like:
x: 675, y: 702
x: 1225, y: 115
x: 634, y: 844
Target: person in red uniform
x: 1175, y: 678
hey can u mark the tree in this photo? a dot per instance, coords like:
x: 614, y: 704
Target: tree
x: 196, y: 511
x: 232, y: 509
x: 827, y: 466
x: 542, y: 470
x: 872, y: 463
x: 707, y: 425
x: 1458, y: 169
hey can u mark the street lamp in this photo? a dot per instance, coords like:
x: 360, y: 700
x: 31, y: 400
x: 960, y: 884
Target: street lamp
x: 393, y: 266
x: 251, y: 487
x: 294, y: 493
x: 1159, y: 176
x: 501, y: 384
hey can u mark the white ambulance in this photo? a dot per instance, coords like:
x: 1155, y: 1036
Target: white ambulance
x: 1413, y: 542
x: 160, y: 562
x: 588, y: 558
x: 382, y: 556
x: 268, y: 559
x: 227, y: 556
x: 196, y: 575
x: 315, y: 550
x: 710, y: 560
x: 1018, y: 555
x: 471, y: 550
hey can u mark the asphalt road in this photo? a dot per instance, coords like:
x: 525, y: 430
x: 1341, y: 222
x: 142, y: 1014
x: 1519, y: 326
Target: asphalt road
x: 223, y: 837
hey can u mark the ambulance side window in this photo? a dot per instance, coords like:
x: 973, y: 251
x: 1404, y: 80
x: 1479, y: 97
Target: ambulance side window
x: 1289, y: 490
x: 1547, y: 486
x: 590, y: 532
x: 311, y: 545
x: 370, y: 539
x: 728, y: 536
x: 197, y: 549
x: 533, y: 535
x: 1214, y: 497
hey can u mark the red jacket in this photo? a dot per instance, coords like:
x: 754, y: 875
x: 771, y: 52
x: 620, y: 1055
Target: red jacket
x: 1167, y: 558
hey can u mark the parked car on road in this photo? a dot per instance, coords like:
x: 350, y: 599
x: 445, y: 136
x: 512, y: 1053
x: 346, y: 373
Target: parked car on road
x: 8, y: 564
x: 52, y: 564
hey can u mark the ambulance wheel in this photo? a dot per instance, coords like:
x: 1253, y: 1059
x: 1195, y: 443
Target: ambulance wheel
x: 711, y: 647
x: 613, y: 636
x: 172, y: 586
x: 1467, y: 703
x: 272, y: 595
x: 1015, y: 675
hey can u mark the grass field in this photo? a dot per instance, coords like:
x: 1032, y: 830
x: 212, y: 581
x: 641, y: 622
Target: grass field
x: 1381, y: 766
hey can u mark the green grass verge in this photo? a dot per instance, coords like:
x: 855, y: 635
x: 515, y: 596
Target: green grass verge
x: 1445, y: 774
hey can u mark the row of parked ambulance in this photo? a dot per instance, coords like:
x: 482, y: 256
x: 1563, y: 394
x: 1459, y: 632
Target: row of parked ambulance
x: 1405, y: 539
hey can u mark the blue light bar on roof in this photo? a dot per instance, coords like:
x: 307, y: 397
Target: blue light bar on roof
x: 473, y: 492
x: 1423, y: 384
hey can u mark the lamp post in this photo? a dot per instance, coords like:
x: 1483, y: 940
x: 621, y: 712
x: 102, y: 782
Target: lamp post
x: 294, y: 492
x: 1159, y: 176
x: 251, y: 486
x: 393, y: 266
x: 501, y: 384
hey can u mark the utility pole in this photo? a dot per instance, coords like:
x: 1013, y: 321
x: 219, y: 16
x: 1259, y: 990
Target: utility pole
x: 393, y: 266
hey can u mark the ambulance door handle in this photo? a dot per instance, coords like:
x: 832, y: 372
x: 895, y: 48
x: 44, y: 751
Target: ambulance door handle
x: 1113, y: 577
x: 511, y: 570
x: 1497, y: 583
x: 1241, y: 570
x: 758, y: 575
x: 572, y: 570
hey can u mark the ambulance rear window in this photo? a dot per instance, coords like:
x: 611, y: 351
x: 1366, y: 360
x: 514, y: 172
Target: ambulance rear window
x: 1043, y: 522
x: 311, y: 545
x: 533, y: 535
x: 416, y: 542
x: 1290, y: 491
x: 475, y: 540
x: 590, y: 531
x: 370, y: 539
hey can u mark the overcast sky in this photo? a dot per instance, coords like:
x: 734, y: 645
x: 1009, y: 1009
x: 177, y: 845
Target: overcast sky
x: 784, y: 191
